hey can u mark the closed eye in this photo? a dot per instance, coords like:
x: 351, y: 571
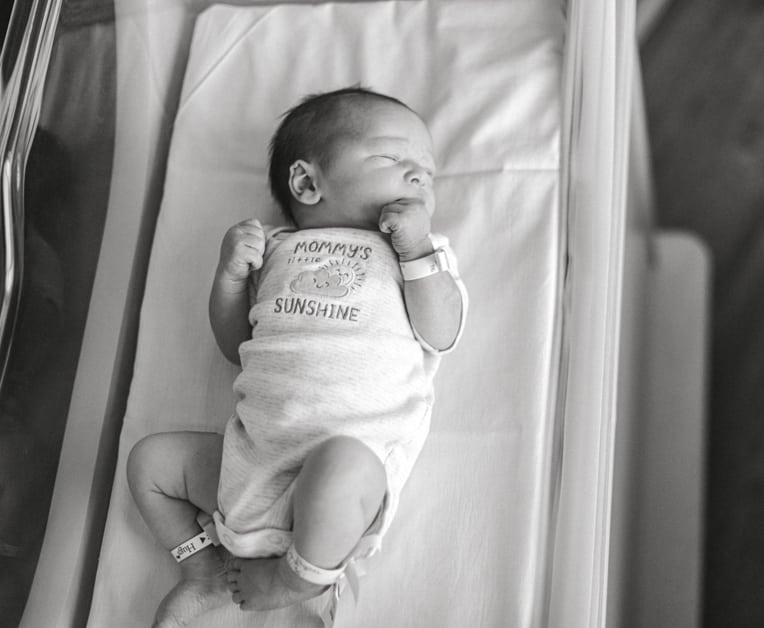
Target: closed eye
x: 395, y: 158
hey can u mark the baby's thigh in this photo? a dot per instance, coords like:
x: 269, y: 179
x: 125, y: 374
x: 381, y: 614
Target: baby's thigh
x: 345, y: 466
x: 184, y: 465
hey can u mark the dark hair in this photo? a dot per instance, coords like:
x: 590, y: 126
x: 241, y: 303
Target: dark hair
x: 311, y: 131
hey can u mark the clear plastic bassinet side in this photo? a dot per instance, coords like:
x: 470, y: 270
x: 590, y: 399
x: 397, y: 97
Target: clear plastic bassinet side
x: 77, y: 145
x: 44, y: 302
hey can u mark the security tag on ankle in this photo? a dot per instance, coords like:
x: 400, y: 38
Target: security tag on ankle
x: 191, y: 547
x: 309, y: 571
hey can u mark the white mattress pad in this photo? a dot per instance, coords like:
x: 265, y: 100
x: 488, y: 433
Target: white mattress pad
x: 466, y: 547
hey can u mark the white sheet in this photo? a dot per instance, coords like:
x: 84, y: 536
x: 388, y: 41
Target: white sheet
x: 466, y: 547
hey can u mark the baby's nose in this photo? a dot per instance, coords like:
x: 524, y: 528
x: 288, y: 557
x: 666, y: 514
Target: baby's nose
x: 418, y: 176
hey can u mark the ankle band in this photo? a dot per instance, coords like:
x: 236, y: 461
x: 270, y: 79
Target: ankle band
x: 190, y: 547
x: 310, y: 572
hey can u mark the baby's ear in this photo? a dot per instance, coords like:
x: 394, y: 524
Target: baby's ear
x: 302, y: 182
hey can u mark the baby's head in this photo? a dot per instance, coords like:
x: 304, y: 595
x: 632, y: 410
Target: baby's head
x: 338, y: 158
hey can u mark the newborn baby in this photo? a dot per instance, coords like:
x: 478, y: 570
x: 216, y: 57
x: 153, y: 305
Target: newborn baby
x: 338, y: 322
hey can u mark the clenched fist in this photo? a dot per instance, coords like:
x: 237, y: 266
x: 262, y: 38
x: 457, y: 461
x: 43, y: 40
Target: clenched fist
x: 408, y: 224
x: 242, y: 250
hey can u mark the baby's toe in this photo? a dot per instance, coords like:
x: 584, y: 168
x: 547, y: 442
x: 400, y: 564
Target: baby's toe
x: 243, y: 603
x: 233, y: 564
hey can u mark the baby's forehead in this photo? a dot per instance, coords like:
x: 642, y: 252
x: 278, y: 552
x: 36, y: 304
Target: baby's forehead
x: 363, y: 113
x: 374, y: 122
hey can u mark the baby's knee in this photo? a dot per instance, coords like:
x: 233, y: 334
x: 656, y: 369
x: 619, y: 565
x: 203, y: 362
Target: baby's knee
x: 349, y: 465
x: 143, y: 460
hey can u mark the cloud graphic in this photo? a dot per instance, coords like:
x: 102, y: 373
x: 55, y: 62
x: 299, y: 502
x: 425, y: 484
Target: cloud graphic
x: 332, y: 282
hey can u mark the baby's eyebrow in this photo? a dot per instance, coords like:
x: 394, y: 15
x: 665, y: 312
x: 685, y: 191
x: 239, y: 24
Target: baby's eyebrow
x: 389, y: 138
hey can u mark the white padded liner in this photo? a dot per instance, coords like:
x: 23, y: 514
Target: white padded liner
x: 465, y: 547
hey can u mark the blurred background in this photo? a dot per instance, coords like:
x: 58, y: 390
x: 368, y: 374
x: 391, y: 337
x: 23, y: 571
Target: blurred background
x: 703, y: 71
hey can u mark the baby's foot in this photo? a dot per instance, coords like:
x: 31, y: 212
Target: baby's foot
x: 202, y: 588
x: 267, y: 583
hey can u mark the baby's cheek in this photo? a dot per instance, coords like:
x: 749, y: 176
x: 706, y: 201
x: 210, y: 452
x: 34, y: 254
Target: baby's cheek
x: 430, y: 203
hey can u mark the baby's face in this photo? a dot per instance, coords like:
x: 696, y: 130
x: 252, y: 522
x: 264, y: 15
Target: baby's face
x: 390, y: 160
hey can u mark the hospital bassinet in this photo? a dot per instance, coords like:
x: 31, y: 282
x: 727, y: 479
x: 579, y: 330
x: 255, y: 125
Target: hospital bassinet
x: 533, y: 502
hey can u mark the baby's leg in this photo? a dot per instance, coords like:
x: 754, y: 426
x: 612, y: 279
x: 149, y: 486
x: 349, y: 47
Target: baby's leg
x: 173, y: 476
x: 337, y: 495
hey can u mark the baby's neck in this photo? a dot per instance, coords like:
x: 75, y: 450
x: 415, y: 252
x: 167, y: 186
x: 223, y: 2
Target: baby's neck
x: 322, y: 220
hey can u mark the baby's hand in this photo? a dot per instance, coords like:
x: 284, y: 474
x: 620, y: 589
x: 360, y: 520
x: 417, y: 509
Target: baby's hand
x: 242, y: 250
x: 409, y: 227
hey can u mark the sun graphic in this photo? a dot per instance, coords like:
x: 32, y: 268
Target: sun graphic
x: 348, y: 274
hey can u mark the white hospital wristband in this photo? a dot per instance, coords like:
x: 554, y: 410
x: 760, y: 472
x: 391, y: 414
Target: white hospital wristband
x: 438, y: 261
x: 190, y: 547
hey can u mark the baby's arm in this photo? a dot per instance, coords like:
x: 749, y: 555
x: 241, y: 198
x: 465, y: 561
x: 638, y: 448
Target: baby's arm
x: 434, y: 303
x: 240, y: 253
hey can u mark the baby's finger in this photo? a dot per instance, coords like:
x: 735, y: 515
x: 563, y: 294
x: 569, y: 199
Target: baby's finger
x: 252, y: 233
x: 251, y: 241
x: 233, y: 568
x: 250, y: 229
x: 253, y: 244
x: 253, y: 257
x: 251, y: 222
x: 389, y: 221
